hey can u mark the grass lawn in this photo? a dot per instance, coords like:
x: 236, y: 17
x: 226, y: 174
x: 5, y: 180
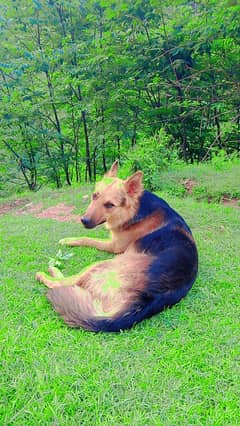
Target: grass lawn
x: 181, y: 367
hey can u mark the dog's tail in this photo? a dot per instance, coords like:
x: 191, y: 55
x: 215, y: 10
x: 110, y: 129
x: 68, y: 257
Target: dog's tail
x: 77, y: 307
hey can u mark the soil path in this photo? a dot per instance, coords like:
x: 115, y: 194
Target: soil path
x: 232, y: 202
x: 60, y: 212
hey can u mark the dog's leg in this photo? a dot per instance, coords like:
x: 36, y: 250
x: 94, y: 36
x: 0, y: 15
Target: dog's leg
x: 59, y: 281
x: 55, y: 272
x: 56, y: 279
x: 105, y: 245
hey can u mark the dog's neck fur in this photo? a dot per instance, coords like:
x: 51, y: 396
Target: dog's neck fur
x: 134, y: 218
x: 146, y: 205
x: 138, y: 212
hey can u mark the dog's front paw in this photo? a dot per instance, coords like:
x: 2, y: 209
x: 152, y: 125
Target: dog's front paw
x: 72, y: 242
x: 66, y: 241
x: 40, y: 276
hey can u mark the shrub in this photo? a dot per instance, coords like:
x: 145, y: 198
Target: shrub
x: 151, y: 155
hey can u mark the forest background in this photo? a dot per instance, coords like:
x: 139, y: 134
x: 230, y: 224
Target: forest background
x: 153, y: 83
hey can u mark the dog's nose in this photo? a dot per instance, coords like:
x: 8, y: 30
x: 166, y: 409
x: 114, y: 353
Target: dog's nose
x: 86, y: 222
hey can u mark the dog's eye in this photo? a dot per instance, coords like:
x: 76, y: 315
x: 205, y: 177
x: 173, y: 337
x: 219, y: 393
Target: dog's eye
x: 95, y: 196
x: 109, y: 205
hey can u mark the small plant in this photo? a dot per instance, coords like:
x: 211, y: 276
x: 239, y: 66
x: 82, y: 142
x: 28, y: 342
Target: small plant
x: 59, y: 259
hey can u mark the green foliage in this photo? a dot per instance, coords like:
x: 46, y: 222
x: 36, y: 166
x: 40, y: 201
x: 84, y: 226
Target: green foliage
x: 221, y: 161
x: 82, y: 85
x: 152, y: 155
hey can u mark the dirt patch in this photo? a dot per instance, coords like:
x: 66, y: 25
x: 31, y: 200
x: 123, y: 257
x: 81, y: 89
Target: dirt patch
x: 29, y: 208
x: 189, y: 184
x: 60, y: 212
x: 12, y: 205
x: 232, y: 202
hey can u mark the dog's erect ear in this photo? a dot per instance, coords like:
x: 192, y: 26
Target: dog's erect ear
x: 113, y: 171
x: 133, y: 184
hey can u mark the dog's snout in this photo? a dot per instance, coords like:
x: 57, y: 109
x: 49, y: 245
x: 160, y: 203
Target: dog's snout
x: 87, y: 222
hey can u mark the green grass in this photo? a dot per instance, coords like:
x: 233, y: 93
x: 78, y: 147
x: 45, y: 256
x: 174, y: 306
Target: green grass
x: 178, y: 368
x: 210, y: 183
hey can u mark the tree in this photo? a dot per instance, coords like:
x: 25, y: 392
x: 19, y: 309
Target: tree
x: 84, y: 82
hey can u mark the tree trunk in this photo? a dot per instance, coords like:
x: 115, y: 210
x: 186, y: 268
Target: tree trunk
x: 88, y: 175
x: 55, y: 112
x: 218, y: 128
x: 118, y: 147
x: 103, y: 141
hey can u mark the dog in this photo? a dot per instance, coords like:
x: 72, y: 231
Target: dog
x: 155, y: 267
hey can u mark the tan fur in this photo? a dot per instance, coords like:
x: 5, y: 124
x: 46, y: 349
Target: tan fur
x: 87, y: 289
x: 129, y: 270
x: 117, y: 221
x: 117, y: 193
x: 108, y: 287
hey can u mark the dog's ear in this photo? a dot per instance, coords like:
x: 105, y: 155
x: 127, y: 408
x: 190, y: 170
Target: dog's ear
x: 133, y: 184
x: 113, y: 171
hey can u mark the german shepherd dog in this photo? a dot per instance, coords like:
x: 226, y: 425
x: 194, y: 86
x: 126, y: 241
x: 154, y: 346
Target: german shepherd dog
x: 156, y: 262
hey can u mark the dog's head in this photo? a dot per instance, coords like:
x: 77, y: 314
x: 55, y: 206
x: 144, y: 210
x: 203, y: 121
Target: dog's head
x: 114, y: 201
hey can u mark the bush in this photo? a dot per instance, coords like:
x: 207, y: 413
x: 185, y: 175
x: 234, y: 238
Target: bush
x: 222, y: 161
x: 151, y: 155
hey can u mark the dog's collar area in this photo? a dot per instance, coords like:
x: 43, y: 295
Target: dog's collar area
x: 136, y: 219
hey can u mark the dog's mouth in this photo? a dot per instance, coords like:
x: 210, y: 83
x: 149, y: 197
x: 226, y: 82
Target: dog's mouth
x: 89, y: 224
